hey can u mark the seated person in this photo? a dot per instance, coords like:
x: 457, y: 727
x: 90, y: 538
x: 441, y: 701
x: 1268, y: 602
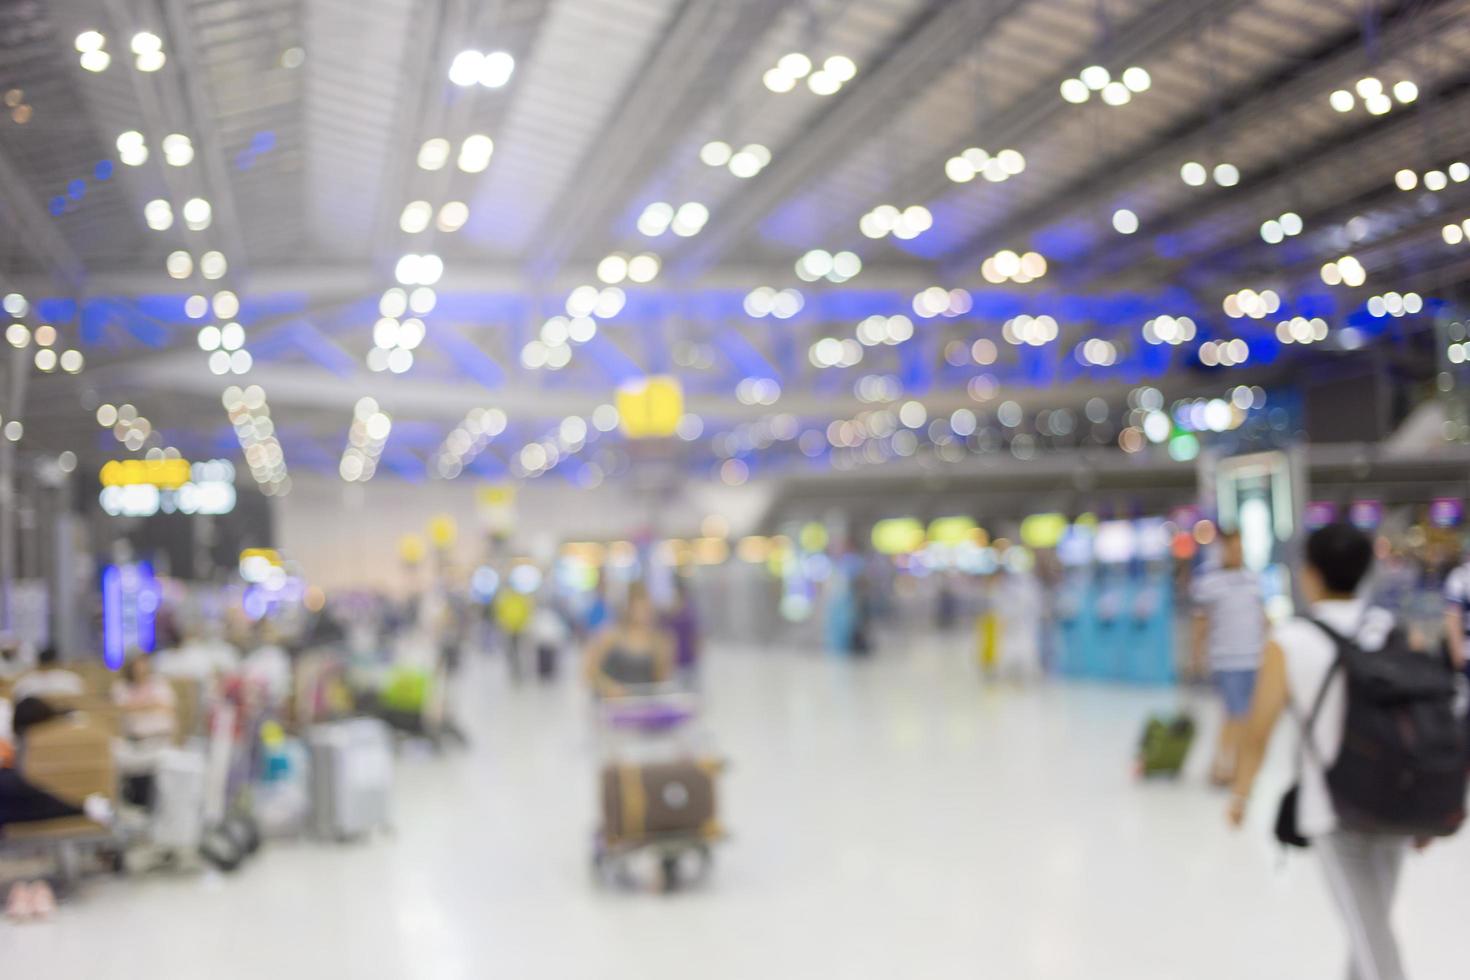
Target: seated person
x: 14, y: 660
x: 21, y: 802
x: 634, y: 652
x: 147, y: 723
x: 48, y: 679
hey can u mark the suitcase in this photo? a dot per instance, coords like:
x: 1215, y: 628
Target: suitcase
x: 351, y: 777
x: 1165, y: 745
x: 659, y: 799
x: 178, y: 794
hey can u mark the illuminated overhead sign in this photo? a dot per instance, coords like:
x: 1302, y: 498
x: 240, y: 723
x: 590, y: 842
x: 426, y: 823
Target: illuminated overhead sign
x: 166, y: 474
x: 650, y: 408
x: 143, y: 488
x: 898, y: 536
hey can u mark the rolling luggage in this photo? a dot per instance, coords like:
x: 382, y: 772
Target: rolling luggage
x: 1165, y: 745
x: 674, y: 798
x: 351, y: 777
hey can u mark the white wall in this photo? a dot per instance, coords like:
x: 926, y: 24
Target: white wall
x: 346, y: 535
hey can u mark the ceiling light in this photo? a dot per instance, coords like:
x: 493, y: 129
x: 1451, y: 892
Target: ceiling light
x: 131, y: 149
x: 1369, y: 87
x: 1095, y: 77
x: 655, y: 219
x: 212, y: 265
x: 1405, y: 91
x: 1378, y: 105
x: 422, y: 300
x: 795, y: 64
x: 1011, y: 161
x: 643, y: 267
x: 416, y: 216
x: 778, y: 81
x: 822, y: 83
x: 394, y: 302
x: 689, y: 220
x: 744, y: 165
x: 159, y: 214
x: 715, y: 153
x: 180, y: 264
x: 1435, y: 180
x: 1193, y: 173
x: 196, y: 307
x: 1227, y: 174
x: 475, y: 153
x: 90, y: 41
x: 232, y: 336
x: 1075, y: 91
x: 957, y: 169
x: 178, y: 150
x: 96, y: 60
x: 150, y: 61
x: 434, y: 153
x: 1459, y: 171
x: 197, y: 214
x: 1137, y: 79
x: 464, y: 70
x: 496, y: 69
x: 613, y: 269
x: 1406, y: 179
x: 1271, y: 232
x: 452, y: 216
x: 1116, y: 94
x: 840, y: 67
x: 1125, y: 222
x: 146, y: 41
x: 1341, y: 100
x: 1291, y: 223
x: 226, y: 304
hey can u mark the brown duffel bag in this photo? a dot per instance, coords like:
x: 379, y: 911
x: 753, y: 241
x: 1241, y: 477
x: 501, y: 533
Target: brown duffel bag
x: 662, y: 798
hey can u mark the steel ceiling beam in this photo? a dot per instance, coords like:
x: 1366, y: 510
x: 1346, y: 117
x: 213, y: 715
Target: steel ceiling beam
x: 934, y: 40
x: 1260, y: 98
x: 1131, y: 261
x: 33, y: 226
x: 195, y: 109
x: 1160, y: 26
x: 692, y: 60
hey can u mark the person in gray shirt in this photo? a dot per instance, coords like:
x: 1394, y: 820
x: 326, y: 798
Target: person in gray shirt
x: 1229, y: 637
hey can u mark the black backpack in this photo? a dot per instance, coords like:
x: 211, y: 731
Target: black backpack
x: 1402, y: 766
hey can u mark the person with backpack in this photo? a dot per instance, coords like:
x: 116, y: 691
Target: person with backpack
x: 1382, y: 760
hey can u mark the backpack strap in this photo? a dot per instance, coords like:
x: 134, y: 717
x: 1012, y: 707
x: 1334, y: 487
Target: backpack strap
x: 1310, y: 721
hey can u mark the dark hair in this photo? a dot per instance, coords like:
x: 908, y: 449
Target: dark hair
x: 48, y: 656
x: 30, y: 712
x: 1342, y: 555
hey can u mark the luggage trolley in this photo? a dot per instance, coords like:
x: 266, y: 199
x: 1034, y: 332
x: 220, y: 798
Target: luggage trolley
x: 657, y: 791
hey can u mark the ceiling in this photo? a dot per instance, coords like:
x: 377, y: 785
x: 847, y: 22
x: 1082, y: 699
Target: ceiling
x: 307, y: 118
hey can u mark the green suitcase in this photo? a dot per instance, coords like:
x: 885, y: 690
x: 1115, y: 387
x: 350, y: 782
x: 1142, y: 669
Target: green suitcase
x: 1165, y: 745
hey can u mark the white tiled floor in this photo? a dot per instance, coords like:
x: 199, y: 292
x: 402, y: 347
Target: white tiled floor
x: 890, y: 819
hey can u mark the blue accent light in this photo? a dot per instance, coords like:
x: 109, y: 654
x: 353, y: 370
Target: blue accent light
x: 76, y: 189
x: 103, y: 170
x: 58, y: 206
x: 130, y: 601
